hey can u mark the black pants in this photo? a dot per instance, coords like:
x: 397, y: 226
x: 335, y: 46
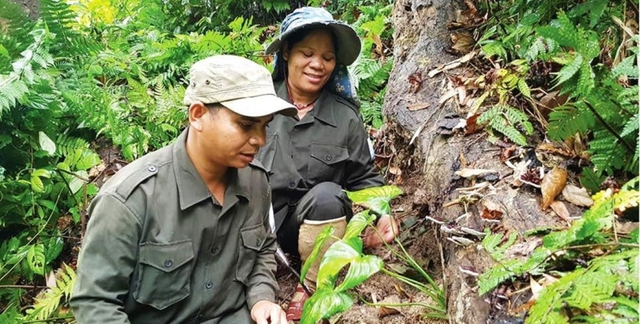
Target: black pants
x: 325, y: 201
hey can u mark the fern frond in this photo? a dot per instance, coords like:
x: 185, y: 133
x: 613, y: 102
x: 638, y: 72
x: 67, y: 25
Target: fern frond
x: 569, y: 70
x: 607, y: 153
x: 567, y: 120
x: 59, y: 19
x: 549, y: 301
x: 504, y: 119
x: 586, y: 80
x: 48, y: 302
x: 493, y: 277
x: 562, y: 31
x: 626, y: 67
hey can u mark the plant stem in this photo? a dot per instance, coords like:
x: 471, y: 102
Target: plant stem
x: 49, y: 319
x: 608, y: 127
x: 22, y: 287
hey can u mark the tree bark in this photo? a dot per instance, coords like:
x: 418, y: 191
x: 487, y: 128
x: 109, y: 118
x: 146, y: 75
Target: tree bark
x: 30, y: 7
x: 420, y: 40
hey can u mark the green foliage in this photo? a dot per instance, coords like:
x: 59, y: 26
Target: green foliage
x: 330, y: 299
x: 375, y: 198
x: 604, y: 290
x: 491, y: 244
x: 577, y: 64
x: 48, y: 303
x: 506, y: 120
x: 113, y: 70
x: 331, y: 296
x: 574, y: 39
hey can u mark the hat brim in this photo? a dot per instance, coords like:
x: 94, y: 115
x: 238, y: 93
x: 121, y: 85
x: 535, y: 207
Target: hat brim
x: 348, y: 43
x: 259, y: 106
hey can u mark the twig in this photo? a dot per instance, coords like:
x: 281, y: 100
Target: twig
x: 22, y: 287
x: 609, y: 128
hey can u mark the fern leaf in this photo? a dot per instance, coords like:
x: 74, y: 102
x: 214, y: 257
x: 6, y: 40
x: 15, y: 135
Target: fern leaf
x: 569, y: 70
x: 567, y: 120
x: 47, y: 302
x: 562, y: 31
x: 631, y: 126
x: 626, y: 67
x: 549, y: 302
x: 586, y: 80
x: 493, y: 277
x: 607, y: 153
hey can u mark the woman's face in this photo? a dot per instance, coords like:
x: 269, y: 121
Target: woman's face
x: 311, y: 62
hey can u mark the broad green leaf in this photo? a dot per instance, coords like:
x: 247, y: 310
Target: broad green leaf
x: 41, y: 173
x: 76, y: 183
x: 358, y: 223
x: 36, y: 184
x: 46, y: 143
x: 323, y: 304
x: 47, y: 203
x: 36, y: 259
x: 322, y: 237
x: 3, y: 51
x: 53, y: 249
x: 337, y: 256
x: 375, y: 198
x: 360, y: 270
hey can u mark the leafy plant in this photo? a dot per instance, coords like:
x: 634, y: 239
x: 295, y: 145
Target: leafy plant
x: 48, y: 303
x: 606, y: 289
x: 331, y: 296
x: 506, y: 120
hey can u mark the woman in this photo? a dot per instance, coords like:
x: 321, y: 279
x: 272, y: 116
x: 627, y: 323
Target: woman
x: 313, y: 156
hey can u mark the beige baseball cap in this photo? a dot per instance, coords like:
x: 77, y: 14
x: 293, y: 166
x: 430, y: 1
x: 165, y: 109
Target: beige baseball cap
x: 237, y: 83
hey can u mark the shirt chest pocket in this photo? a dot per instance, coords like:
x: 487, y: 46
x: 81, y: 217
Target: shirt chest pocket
x: 252, y: 238
x: 327, y: 163
x: 164, y: 275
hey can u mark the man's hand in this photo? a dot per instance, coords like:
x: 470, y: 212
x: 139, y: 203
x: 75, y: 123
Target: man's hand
x: 387, y: 229
x: 266, y: 312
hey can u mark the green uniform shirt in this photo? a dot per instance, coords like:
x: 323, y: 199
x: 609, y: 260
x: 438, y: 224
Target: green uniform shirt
x: 328, y: 144
x: 160, y: 249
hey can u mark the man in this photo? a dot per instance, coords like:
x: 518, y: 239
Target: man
x: 182, y: 235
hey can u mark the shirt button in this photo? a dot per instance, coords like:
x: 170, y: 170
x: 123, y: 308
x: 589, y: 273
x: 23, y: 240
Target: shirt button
x: 258, y: 241
x: 152, y: 168
x: 168, y: 263
x: 329, y: 157
x: 208, y: 285
x: 292, y: 184
x: 215, y: 250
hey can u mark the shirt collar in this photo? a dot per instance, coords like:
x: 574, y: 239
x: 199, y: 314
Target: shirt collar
x: 191, y: 187
x: 323, y: 108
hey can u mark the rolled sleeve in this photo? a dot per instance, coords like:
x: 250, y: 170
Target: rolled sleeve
x: 106, y: 262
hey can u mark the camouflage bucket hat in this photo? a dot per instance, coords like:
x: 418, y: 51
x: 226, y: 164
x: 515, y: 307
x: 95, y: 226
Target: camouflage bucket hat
x: 348, y: 43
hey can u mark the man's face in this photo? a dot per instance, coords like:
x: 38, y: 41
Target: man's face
x: 229, y: 139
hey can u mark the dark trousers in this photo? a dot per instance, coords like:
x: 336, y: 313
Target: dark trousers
x: 325, y: 201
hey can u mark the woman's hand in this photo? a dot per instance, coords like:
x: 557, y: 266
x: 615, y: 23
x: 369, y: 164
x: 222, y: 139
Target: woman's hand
x: 266, y: 312
x: 387, y: 228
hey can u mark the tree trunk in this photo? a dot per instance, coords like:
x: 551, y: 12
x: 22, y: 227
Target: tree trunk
x: 31, y: 7
x: 420, y: 41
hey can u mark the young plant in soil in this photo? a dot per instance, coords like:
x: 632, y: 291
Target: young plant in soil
x: 332, y: 297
